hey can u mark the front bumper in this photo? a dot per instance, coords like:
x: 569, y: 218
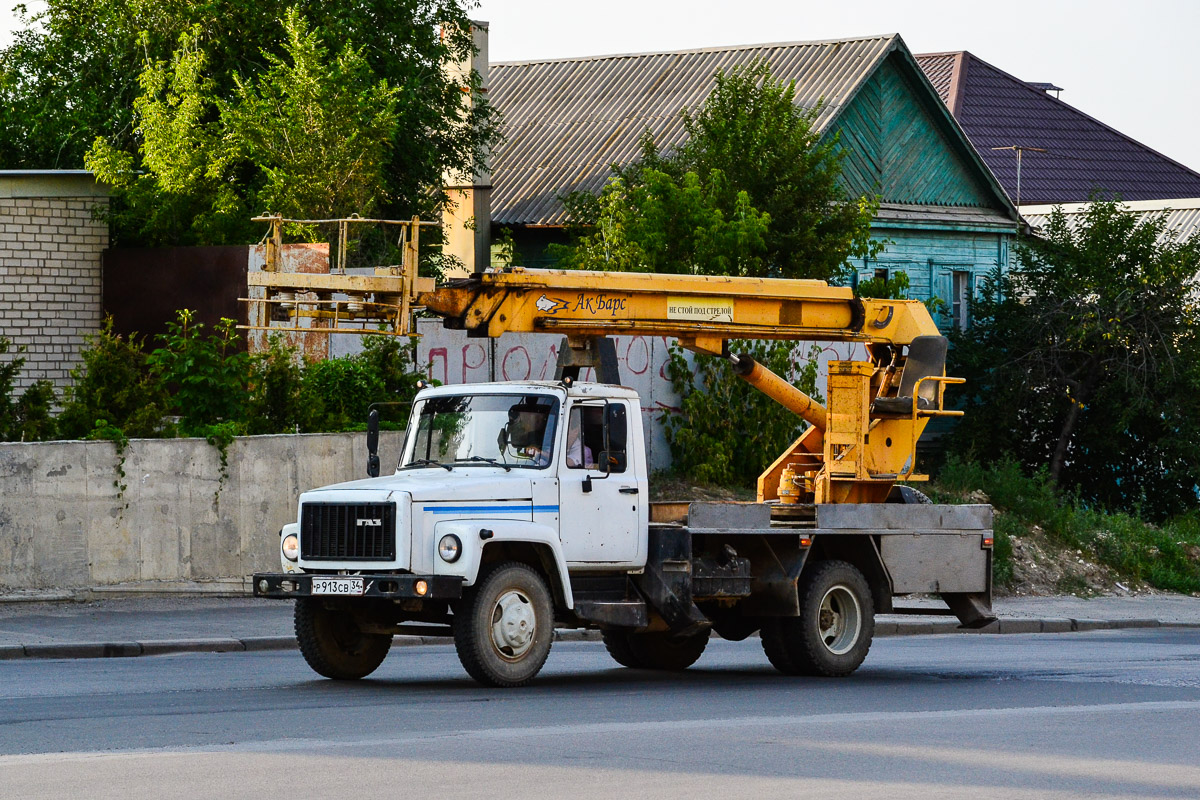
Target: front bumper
x: 287, y: 586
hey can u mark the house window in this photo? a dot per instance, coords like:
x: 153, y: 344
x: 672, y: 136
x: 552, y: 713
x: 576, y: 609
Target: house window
x: 881, y: 275
x: 960, y: 304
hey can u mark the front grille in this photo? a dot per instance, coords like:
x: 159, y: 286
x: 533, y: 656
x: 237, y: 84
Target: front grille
x: 343, y: 532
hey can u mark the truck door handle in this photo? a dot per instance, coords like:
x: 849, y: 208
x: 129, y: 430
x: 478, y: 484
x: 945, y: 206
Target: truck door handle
x: 628, y: 490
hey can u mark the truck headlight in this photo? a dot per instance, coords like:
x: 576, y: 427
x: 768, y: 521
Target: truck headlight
x: 291, y: 547
x: 449, y: 548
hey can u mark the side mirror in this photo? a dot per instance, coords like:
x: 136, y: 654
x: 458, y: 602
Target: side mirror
x: 616, y: 431
x: 373, y: 443
x: 612, y: 461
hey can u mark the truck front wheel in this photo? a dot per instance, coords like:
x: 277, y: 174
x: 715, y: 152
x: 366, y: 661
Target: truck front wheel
x: 833, y: 632
x: 332, y: 644
x: 504, y: 626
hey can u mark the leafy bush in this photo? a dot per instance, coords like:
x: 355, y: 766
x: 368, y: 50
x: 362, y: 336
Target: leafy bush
x: 1166, y: 557
x: 341, y: 389
x: 205, y: 375
x: 216, y: 389
x: 25, y: 418
x: 726, y: 432
x: 394, y: 360
x: 114, y: 386
x: 1032, y: 499
x: 286, y: 394
x: 277, y: 401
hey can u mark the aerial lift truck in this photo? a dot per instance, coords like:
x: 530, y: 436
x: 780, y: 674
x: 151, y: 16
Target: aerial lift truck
x: 518, y: 507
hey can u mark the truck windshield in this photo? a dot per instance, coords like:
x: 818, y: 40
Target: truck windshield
x: 514, y: 430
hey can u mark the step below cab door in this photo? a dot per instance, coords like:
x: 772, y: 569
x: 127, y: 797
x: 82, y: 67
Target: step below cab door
x: 600, y: 499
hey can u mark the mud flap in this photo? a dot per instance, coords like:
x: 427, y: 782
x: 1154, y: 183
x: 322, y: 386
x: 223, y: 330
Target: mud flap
x: 974, y: 610
x: 667, y: 581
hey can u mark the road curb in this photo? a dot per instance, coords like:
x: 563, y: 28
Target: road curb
x: 251, y: 644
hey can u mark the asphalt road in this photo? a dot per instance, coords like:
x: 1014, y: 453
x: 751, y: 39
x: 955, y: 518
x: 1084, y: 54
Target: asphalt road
x: 1099, y: 715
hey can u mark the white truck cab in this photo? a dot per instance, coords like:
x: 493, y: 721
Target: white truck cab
x: 519, y: 460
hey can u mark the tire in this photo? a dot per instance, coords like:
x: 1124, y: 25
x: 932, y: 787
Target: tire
x: 833, y: 632
x: 908, y: 496
x: 333, y: 645
x: 736, y: 628
x: 661, y: 651
x: 504, y: 626
x: 774, y: 637
x: 616, y: 642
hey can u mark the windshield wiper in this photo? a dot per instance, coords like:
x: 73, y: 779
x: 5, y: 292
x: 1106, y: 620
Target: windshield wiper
x: 491, y: 461
x: 426, y: 462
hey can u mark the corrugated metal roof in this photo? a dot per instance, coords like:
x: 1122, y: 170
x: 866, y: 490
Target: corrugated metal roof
x: 1182, y: 214
x: 566, y: 121
x: 996, y: 109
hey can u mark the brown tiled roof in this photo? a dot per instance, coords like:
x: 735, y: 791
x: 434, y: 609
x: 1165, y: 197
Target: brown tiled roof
x: 1083, y: 155
x: 939, y: 68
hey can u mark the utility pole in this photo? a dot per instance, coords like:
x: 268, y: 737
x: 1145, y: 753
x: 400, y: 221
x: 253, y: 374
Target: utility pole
x: 1021, y: 149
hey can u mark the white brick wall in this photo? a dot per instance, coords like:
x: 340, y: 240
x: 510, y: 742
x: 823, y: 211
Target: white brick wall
x: 50, y: 287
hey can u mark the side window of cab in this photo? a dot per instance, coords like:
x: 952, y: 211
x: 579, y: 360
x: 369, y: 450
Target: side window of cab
x: 585, y: 437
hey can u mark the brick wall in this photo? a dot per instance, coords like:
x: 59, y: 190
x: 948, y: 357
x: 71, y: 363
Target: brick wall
x: 50, y: 259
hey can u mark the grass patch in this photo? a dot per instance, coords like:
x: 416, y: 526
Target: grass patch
x: 1166, y: 557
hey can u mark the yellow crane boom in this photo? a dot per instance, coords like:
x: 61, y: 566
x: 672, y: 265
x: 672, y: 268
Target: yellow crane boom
x: 856, y: 447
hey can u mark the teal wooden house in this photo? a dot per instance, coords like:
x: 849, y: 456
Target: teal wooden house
x: 946, y: 220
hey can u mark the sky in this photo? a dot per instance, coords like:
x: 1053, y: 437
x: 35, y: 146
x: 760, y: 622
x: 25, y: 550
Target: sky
x: 1132, y: 64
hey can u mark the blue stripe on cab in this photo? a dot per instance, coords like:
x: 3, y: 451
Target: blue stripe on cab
x: 504, y: 509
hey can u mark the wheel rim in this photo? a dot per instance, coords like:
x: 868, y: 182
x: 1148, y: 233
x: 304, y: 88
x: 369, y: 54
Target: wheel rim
x: 840, y: 620
x: 514, y: 625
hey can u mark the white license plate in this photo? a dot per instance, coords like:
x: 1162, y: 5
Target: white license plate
x: 342, y: 586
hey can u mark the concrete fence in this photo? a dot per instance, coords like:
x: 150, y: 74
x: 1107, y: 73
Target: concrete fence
x: 65, y: 522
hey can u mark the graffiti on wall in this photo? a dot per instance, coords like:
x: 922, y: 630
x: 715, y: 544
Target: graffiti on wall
x: 451, y: 357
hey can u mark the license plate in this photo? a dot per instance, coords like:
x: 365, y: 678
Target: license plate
x: 342, y: 586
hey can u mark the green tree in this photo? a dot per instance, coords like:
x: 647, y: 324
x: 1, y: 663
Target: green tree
x: 727, y: 433
x: 660, y: 224
x: 310, y: 135
x: 173, y: 188
x: 771, y: 160
x: 51, y: 116
x: 1086, y: 358
x: 751, y: 129
x: 321, y: 129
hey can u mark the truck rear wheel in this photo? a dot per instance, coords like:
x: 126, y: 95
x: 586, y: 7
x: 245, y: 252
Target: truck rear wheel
x: 504, y: 626
x: 617, y: 643
x: 332, y: 644
x: 654, y: 650
x: 833, y: 632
